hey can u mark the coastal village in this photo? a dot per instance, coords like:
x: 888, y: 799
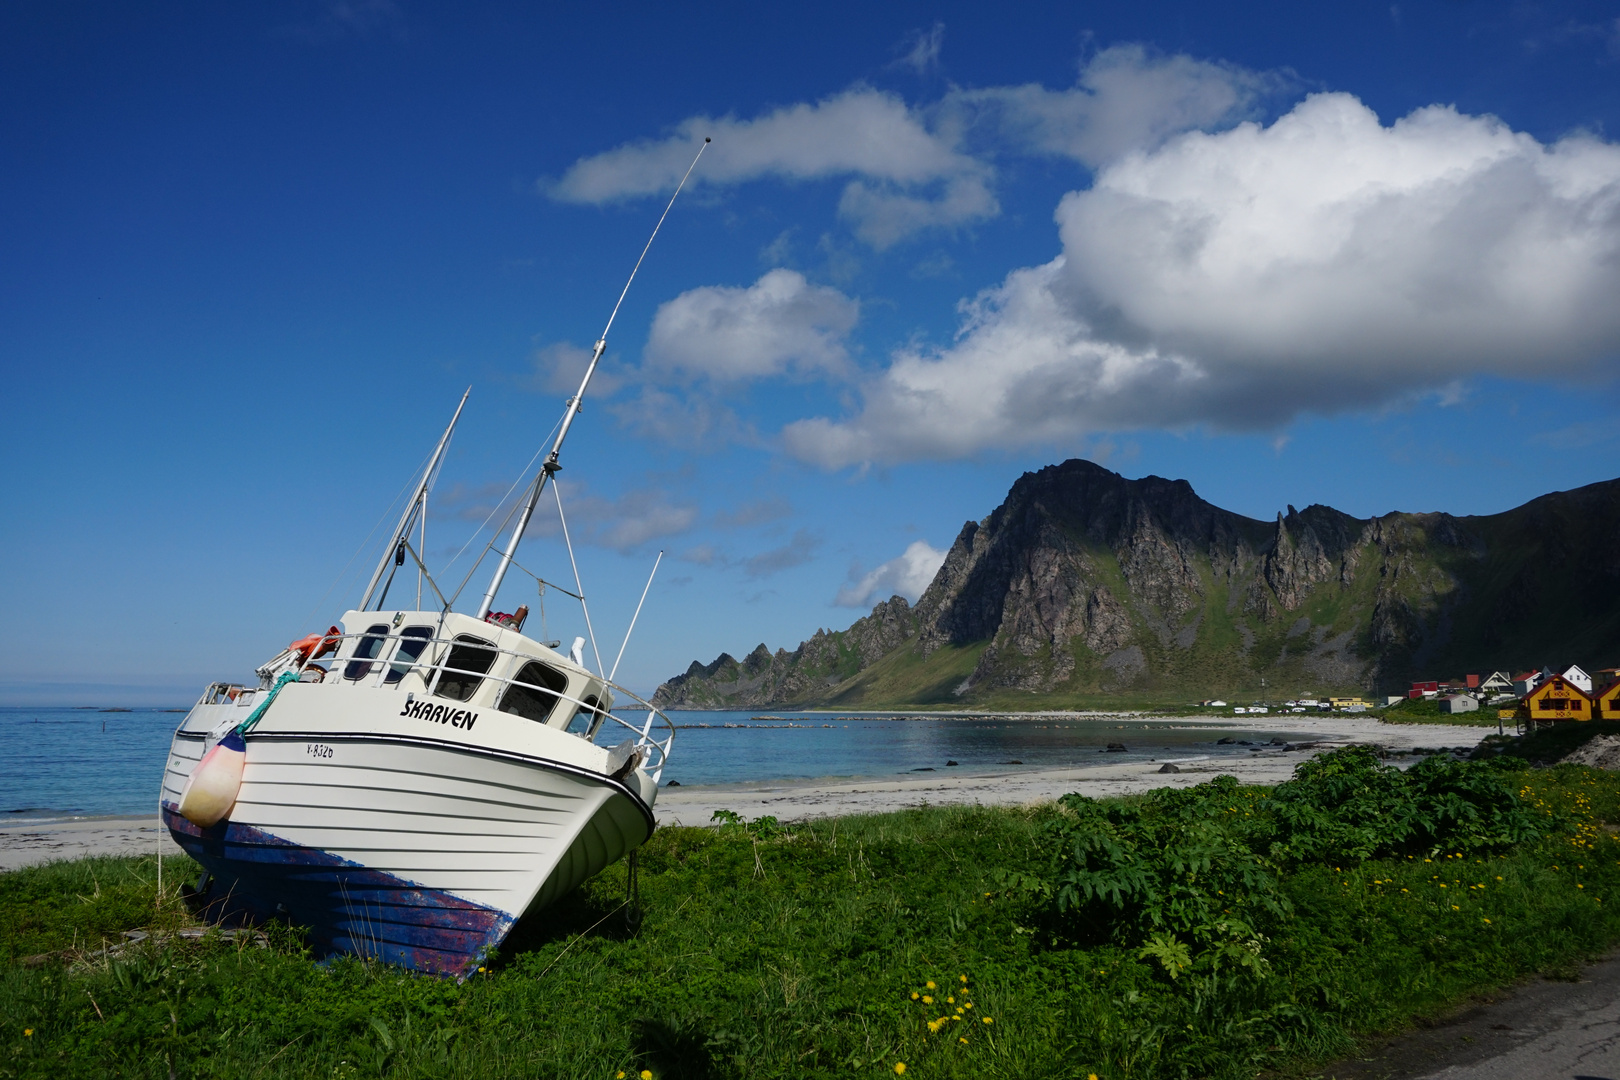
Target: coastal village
x: 1528, y: 698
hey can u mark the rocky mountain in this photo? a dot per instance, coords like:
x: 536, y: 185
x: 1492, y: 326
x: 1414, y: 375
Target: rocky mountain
x: 1085, y: 587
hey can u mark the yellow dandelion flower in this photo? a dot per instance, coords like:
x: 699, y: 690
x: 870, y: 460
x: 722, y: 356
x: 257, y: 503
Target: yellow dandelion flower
x: 933, y: 1025
x: 986, y: 1019
x: 1454, y: 907
x: 646, y: 1074
x: 28, y: 1032
x: 950, y: 1001
x: 927, y: 1000
x: 1091, y: 1076
x: 1580, y: 886
x: 929, y: 984
x: 1487, y: 920
x: 899, y: 1067
x: 962, y: 977
x: 967, y: 1004
x: 962, y: 1041
x: 959, y: 1009
x: 914, y: 995
x: 619, y: 1075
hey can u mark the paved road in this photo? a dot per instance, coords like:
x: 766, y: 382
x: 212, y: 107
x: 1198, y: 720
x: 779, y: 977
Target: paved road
x: 1542, y: 1031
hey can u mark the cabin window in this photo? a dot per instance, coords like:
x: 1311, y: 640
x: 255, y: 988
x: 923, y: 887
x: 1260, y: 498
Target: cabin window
x: 1557, y: 703
x: 412, y: 640
x: 466, y: 666
x: 585, y: 722
x: 369, y: 648
x: 535, y: 692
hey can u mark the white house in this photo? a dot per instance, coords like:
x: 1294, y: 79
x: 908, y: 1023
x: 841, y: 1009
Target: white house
x: 1579, y: 678
x: 1523, y: 684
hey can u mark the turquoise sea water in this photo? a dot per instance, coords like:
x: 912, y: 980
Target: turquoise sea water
x: 56, y: 762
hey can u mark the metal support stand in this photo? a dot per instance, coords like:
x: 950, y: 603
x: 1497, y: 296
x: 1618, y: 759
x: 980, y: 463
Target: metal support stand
x: 632, y: 894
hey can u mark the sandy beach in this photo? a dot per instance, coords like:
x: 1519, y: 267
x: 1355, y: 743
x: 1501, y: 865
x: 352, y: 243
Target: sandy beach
x: 792, y: 800
x: 28, y: 843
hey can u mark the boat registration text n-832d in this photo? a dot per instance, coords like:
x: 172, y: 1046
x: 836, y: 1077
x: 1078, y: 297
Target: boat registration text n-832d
x: 439, y: 714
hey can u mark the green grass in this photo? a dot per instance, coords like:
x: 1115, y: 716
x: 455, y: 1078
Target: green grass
x: 772, y: 951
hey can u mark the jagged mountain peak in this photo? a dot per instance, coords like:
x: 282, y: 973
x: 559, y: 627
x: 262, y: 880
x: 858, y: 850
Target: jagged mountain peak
x: 1084, y: 584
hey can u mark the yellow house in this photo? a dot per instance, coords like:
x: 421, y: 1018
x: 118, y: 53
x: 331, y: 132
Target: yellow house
x: 1608, y: 702
x: 1558, y: 699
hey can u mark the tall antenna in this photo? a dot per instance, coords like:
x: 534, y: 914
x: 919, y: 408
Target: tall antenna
x: 549, y: 468
x: 418, y: 503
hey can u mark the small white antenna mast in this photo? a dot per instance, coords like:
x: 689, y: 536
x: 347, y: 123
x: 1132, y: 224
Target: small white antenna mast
x: 549, y: 468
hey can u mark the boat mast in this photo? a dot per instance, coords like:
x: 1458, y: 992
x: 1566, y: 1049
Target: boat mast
x: 549, y: 467
x: 418, y: 502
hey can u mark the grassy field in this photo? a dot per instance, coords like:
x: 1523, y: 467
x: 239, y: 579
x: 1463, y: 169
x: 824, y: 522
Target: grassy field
x: 1219, y: 931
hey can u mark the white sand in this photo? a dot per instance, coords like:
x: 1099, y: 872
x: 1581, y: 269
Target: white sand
x: 27, y: 843
x: 47, y: 841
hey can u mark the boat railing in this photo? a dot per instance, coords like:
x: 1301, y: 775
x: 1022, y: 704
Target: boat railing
x: 369, y: 659
x: 222, y: 693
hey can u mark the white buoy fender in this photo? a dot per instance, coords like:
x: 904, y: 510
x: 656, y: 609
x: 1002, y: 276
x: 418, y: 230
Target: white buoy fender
x: 211, y: 789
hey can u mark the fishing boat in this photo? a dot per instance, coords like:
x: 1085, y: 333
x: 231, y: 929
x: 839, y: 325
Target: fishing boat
x: 411, y: 782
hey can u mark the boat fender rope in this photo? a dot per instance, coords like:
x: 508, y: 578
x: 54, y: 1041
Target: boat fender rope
x: 258, y: 714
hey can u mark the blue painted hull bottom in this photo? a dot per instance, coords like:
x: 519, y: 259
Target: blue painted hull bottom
x: 346, y: 907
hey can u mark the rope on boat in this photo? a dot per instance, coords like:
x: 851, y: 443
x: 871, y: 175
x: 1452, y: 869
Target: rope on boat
x: 258, y: 714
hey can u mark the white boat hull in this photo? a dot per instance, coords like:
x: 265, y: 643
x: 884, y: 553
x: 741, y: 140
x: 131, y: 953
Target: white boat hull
x: 404, y: 839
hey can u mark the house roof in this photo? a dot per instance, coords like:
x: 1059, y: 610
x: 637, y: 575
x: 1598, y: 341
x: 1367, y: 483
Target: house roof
x: 1550, y: 687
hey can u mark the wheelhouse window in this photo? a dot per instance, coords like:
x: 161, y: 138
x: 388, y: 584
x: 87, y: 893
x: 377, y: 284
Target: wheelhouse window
x: 464, y: 669
x: 412, y: 640
x: 535, y: 692
x: 585, y: 722
x: 368, y: 648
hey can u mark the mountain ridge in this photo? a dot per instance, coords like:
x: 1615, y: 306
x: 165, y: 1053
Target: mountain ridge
x: 1084, y: 586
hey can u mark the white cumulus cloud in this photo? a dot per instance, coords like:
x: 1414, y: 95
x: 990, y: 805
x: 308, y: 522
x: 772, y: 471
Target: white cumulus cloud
x: 860, y: 132
x: 1127, y: 98
x: 1323, y: 263
x: 907, y: 574
x: 780, y: 324
x: 910, y: 166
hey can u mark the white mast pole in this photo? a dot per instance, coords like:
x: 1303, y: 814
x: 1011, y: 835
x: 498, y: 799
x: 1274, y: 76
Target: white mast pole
x: 404, y: 526
x: 549, y: 468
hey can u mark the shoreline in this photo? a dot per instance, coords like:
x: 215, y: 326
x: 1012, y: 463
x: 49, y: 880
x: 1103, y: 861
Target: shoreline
x: 791, y: 800
x: 27, y: 843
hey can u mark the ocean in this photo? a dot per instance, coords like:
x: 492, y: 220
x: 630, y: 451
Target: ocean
x: 57, y: 762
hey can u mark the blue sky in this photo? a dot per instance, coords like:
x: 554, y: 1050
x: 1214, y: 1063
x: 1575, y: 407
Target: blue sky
x: 250, y: 256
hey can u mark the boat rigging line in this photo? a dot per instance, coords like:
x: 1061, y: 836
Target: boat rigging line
x: 578, y: 584
x: 550, y: 467
x: 636, y: 616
